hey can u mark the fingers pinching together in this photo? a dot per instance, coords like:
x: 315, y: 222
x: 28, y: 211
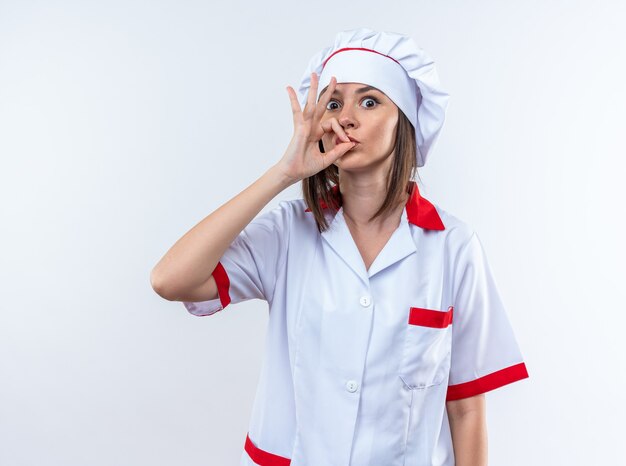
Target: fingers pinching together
x: 302, y: 158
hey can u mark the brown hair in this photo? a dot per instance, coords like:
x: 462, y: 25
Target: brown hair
x: 318, y: 187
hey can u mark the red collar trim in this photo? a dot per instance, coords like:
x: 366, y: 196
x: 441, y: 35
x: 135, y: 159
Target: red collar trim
x: 419, y: 210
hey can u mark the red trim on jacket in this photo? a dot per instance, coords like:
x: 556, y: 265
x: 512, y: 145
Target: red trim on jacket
x: 262, y: 457
x: 223, y: 284
x: 430, y: 317
x: 419, y: 210
x: 488, y: 382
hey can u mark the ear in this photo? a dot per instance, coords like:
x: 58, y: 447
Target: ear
x: 321, y: 146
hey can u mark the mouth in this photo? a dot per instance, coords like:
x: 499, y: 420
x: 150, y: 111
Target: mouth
x: 338, y: 140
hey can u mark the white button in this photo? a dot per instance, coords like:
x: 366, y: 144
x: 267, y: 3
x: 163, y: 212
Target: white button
x: 351, y: 386
x: 365, y: 301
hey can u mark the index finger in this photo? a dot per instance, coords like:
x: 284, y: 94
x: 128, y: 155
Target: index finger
x: 310, y: 99
x: 325, y: 98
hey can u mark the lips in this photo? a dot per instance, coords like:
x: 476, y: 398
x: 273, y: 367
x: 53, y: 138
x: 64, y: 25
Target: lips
x: 338, y: 140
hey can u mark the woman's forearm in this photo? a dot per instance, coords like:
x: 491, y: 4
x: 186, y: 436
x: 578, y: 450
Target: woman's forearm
x: 469, y: 437
x: 191, y: 260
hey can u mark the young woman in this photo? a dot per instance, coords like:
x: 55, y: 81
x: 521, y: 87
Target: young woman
x: 385, y: 324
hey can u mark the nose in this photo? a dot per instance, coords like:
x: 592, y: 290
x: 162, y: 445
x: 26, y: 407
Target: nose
x: 346, y: 117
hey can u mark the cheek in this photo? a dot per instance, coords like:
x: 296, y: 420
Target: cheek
x: 386, y: 132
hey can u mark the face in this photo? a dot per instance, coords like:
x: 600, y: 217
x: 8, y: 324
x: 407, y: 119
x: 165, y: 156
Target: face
x: 366, y: 115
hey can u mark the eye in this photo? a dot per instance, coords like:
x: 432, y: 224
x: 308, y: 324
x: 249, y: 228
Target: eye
x: 330, y: 102
x: 370, y: 98
x: 367, y: 98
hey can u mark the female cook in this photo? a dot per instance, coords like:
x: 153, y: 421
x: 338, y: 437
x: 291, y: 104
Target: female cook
x: 385, y: 324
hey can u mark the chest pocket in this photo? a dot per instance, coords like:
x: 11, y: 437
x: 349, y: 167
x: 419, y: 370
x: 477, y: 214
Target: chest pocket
x: 427, y: 346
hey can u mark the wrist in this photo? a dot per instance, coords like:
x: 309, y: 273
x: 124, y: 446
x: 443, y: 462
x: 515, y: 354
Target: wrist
x: 281, y: 177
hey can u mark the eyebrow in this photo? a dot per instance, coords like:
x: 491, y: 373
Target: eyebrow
x: 358, y: 91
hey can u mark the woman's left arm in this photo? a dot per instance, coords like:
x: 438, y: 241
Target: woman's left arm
x: 468, y: 426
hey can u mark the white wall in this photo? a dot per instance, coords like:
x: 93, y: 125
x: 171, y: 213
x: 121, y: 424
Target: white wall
x: 124, y: 123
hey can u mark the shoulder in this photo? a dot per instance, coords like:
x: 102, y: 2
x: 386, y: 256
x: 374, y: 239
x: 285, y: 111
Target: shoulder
x: 292, y: 205
x: 275, y: 219
x: 462, y: 242
x: 284, y: 210
x: 299, y: 213
x: 457, y: 232
x: 454, y: 224
x: 289, y: 210
x: 288, y: 214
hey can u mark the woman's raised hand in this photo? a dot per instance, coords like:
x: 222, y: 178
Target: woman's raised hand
x: 303, y: 157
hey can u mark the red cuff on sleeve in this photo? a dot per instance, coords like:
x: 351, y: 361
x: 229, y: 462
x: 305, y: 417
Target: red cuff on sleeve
x: 488, y: 382
x: 223, y: 284
x: 262, y: 457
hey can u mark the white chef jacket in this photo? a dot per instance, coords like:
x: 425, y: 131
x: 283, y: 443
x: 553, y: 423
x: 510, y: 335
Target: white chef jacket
x: 359, y: 363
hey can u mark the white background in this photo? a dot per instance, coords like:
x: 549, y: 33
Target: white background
x: 124, y: 123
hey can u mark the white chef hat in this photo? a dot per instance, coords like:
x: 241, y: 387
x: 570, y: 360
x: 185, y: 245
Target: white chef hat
x: 392, y: 63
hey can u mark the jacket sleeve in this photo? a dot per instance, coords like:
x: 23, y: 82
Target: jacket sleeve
x: 485, y: 354
x: 249, y: 268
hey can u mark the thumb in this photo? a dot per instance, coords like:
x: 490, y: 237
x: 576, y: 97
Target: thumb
x: 338, y: 151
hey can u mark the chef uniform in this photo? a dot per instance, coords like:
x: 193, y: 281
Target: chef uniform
x: 359, y: 363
